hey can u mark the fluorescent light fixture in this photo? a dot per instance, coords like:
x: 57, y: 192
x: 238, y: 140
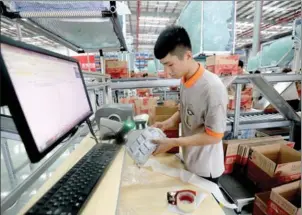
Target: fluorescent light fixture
x: 151, y: 18
x: 89, y: 20
x: 152, y: 25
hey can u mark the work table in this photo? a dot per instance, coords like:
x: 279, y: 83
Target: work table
x: 128, y: 189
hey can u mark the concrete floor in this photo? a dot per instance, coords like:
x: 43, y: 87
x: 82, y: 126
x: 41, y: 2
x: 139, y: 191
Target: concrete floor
x: 18, y: 157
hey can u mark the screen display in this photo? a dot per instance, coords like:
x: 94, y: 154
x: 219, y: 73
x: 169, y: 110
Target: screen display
x: 50, y: 91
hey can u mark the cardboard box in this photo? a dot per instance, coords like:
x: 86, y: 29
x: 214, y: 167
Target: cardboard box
x: 170, y: 103
x: 285, y: 200
x: 298, y: 86
x: 223, y: 64
x: 142, y: 105
x: 273, y: 165
x: 277, y: 160
x: 245, y: 150
x: 117, y: 69
x: 163, y: 113
x: 260, y: 203
x: 231, y: 148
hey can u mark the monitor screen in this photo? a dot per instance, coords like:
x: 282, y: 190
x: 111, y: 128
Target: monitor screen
x: 50, y: 91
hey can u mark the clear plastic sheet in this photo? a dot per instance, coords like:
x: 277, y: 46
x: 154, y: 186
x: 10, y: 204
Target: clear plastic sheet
x: 210, y: 25
x: 218, y: 26
x: 274, y: 52
x: 190, y: 19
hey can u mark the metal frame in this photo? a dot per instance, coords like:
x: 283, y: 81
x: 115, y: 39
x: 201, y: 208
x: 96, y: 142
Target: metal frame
x: 31, y: 24
x: 234, y: 122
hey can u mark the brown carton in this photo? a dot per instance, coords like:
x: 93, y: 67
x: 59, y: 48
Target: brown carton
x: 285, y: 200
x: 277, y: 160
x: 246, y: 148
x: 223, y: 64
x: 260, y: 203
x: 231, y: 149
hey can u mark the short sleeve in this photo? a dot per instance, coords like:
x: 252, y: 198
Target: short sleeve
x: 216, y: 114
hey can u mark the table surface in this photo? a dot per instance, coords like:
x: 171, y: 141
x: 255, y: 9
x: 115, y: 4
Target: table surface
x: 141, y: 191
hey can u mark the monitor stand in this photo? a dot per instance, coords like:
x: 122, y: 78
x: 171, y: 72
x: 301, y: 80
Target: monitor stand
x: 238, y: 189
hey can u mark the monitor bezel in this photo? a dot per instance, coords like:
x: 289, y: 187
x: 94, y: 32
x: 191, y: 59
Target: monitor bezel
x: 15, y: 107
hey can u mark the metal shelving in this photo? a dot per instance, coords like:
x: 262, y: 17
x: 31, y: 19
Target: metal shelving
x: 239, y: 121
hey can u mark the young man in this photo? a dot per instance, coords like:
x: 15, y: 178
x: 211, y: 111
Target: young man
x: 203, y: 106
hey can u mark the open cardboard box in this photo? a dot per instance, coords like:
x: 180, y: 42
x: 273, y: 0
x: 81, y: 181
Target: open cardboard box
x: 230, y: 148
x: 277, y: 160
x: 163, y: 113
x: 285, y: 200
x: 261, y: 203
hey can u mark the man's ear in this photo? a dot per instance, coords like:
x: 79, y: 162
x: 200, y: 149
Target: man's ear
x: 188, y: 55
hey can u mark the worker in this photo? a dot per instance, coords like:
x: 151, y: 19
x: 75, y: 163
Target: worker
x: 241, y: 70
x: 203, y: 107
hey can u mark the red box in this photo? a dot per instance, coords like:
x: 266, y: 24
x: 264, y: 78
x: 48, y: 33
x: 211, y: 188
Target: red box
x: 223, y: 64
x: 260, y: 203
x: 273, y: 165
x: 285, y: 200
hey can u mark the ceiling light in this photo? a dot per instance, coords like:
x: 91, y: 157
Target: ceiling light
x: 148, y: 35
x: 151, y: 25
x: 151, y: 18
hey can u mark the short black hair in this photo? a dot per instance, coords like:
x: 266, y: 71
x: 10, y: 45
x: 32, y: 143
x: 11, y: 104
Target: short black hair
x: 240, y: 63
x: 173, y: 39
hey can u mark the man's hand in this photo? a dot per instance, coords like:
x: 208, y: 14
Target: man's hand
x: 163, y: 145
x: 161, y: 125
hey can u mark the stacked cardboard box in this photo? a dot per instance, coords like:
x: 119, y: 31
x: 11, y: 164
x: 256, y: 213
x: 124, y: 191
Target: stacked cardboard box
x: 231, y: 153
x: 142, y: 105
x: 223, y: 64
x: 273, y: 165
x: 285, y: 200
x: 117, y: 69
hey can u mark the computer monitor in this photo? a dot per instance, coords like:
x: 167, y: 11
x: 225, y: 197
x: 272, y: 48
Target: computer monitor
x: 45, y: 93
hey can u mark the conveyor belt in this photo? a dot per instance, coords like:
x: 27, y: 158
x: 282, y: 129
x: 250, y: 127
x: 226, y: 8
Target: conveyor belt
x: 260, y: 120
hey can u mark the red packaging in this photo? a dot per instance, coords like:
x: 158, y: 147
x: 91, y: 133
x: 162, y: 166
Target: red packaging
x: 246, y: 99
x: 285, y: 200
x: 223, y: 64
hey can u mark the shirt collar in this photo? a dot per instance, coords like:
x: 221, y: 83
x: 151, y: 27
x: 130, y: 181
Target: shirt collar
x: 193, y: 79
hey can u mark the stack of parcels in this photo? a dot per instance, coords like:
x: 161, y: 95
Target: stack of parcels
x: 273, y: 165
x: 223, y: 65
x: 282, y: 200
x: 142, y: 105
x: 117, y: 69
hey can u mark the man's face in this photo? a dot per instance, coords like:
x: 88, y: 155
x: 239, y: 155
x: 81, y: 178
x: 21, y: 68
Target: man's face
x: 175, y: 67
x: 240, y: 70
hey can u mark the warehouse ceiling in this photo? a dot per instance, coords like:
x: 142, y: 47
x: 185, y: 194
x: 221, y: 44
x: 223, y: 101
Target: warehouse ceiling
x: 149, y: 18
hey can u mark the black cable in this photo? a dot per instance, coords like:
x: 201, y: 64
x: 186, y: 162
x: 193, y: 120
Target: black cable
x: 91, y: 130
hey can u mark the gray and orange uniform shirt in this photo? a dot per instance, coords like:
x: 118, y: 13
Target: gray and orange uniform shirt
x: 203, y: 108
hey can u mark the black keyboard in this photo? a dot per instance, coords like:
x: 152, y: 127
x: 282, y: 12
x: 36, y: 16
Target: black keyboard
x: 69, y: 194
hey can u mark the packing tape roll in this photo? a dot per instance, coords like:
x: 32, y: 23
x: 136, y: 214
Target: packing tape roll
x: 185, y: 201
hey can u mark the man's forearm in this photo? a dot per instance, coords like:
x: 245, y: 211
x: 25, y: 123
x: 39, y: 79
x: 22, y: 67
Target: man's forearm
x: 201, y: 139
x: 174, y: 119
